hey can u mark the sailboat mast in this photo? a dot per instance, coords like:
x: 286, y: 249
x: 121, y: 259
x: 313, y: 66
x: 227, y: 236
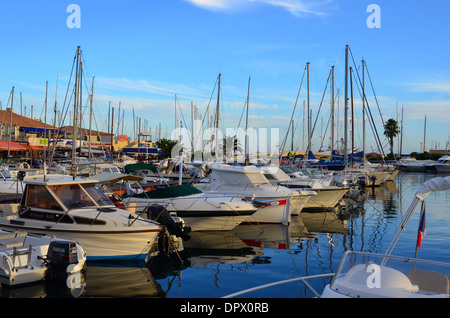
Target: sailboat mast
x: 364, y: 112
x: 216, y: 132
x: 401, y: 138
x: 346, y: 106
x: 424, y: 133
x: 10, y: 121
x: 90, y: 119
x: 55, y: 110
x: 75, y: 110
x: 332, y: 108
x: 308, y: 108
x: 246, y: 127
x: 353, y: 114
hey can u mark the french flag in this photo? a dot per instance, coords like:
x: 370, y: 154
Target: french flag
x: 422, y: 231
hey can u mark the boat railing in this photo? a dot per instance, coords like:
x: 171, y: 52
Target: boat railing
x: 303, y: 279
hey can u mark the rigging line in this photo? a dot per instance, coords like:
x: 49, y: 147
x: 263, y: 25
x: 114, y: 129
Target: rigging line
x: 188, y: 130
x: 206, y: 111
x: 369, y: 111
x: 371, y: 122
x: 320, y: 106
x: 370, y: 79
x: 293, y: 111
x: 371, y: 84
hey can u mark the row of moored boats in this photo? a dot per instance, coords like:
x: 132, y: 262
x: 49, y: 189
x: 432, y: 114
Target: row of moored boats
x: 63, y: 220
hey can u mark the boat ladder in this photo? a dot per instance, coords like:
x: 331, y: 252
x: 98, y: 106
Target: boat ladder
x: 21, y: 257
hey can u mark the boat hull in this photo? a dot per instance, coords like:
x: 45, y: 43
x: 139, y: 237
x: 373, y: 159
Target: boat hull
x: 107, y: 244
x: 298, y: 203
x: 276, y: 210
x: 442, y: 168
x: 200, y: 212
x: 325, y: 199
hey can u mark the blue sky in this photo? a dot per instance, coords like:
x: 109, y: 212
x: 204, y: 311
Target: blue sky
x: 142, y: 53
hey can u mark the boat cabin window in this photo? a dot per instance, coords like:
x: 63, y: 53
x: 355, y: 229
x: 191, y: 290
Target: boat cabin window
x: 39, y: 197
x: 72, y: 196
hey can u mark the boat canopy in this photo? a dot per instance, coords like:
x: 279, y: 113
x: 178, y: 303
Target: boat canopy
x: 139, y: 166
x: 433, y: 185
x: 111, y: 178
x: 168, y: 192
x: 226, y: 175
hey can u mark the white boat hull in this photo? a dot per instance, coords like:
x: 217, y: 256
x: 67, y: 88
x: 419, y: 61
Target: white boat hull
x: 108, y: 243
x: 201, y: 212
x: 298, y: 203
x: 326, y: 198
x: 277, y: 211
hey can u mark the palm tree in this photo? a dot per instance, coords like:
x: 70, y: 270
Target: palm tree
x: 391, y: 130
x: 231, y: 145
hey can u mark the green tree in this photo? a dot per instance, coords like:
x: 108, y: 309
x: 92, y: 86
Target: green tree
x: 391, y: 131
x: 166, y: 145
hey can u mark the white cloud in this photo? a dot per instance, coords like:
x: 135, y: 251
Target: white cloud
x: 298, y: 8
x: 166, y: 89
x: 429, y: 87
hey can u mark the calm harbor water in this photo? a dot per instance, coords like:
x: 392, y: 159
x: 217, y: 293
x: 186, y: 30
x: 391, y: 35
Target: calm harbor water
x: 216, y: 264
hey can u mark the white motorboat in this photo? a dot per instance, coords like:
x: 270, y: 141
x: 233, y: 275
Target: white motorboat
x: 414, y: 165
x: 442, y: 165
x: 326, y: 196
x: 77, y: 209
x: 200, y: 211
x: 26, y: 258
x: 370, y: 275
x: 8, y: 184
x: 248, y: 181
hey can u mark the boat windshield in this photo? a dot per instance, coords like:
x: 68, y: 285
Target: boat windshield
x: 73, y: 196
x: 4, y: 174
x: 97, y: 195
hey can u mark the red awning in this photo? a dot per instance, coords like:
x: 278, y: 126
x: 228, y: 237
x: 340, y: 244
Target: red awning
x: 13, y: 146
x: 34, y: 148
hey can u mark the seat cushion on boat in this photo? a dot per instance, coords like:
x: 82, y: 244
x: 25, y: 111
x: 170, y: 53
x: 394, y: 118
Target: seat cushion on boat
x: 430, y: 281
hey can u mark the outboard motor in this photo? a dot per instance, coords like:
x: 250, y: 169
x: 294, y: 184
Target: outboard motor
x: 362, y: 182
x: 60, y: 255
x: 160, y: 214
